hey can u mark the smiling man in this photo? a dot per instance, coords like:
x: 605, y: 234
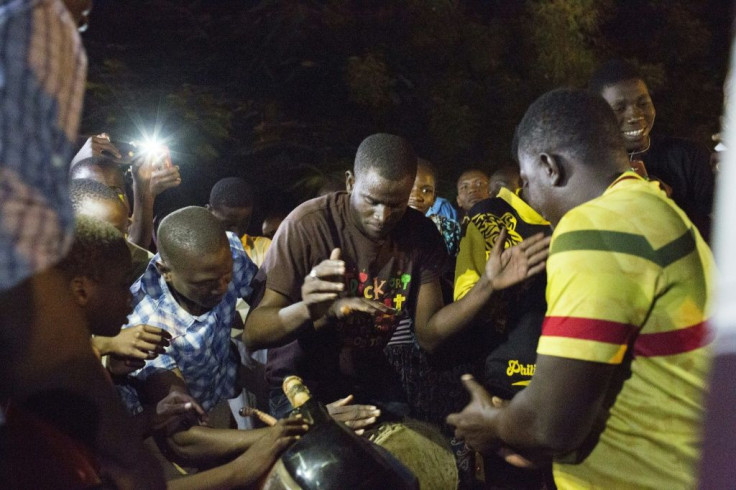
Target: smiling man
x: 617, y: 394
x: 682, y: 165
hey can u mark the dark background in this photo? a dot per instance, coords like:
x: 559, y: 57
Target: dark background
x: 282, y: 92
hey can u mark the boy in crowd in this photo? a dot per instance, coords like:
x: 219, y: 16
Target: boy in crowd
x: 231, y: 202
x: 149, y: 180
x: 422, y: 198
x: 331, y: 318
x: 505, y: 176
x: 504, y: 339
x: 189, y: 290
x: 98, y: 267
x: 472, y: 187
x: 92, y: 198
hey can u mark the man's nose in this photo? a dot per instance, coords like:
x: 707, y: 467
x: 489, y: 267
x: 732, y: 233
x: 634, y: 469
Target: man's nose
x: 633, y: 113
x: 381, y: 213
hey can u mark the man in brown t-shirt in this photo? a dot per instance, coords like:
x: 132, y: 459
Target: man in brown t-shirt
x: 344, y: 272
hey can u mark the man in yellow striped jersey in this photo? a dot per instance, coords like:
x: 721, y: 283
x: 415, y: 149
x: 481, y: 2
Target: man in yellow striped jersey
x: 617, y: 395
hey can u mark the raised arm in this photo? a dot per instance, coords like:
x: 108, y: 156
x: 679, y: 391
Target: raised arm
x: 150, y: 178
x: 504, y: 268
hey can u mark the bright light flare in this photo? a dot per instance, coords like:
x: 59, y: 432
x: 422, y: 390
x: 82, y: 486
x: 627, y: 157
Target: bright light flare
x: 150, y: 148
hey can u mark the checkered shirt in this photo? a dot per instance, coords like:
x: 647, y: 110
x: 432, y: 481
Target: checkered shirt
x: 200, y: 346
x: 42, y: 71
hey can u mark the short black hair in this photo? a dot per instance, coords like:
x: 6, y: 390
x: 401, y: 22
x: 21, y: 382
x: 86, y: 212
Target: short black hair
x: 82, y: 166
x: 82, y: 190
x: 188, y: 232
x: 576, y: 121
x: 474, y: 169
x: 232, y: 192
x: 391, y: 156
x: 97, y: 245
x: 427, y: 165
x: 612, y: 72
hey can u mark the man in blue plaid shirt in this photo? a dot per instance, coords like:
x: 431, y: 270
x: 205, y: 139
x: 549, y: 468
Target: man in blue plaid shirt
x: 190, y: 289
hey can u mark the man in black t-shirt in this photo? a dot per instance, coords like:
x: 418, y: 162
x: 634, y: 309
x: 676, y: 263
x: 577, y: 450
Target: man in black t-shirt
x: 347, y: 272
x: 683, y: 166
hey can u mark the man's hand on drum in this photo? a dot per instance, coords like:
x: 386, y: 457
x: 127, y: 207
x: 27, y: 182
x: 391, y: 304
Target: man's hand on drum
x: 357, y: 417
x: 259, y: 458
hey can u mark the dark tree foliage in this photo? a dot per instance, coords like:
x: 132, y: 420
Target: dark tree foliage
x: 282, y: 91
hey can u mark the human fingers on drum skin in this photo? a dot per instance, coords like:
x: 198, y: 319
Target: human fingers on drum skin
x: 354, y: 416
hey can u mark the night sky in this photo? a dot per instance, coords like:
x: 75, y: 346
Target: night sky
x: 282, y: 92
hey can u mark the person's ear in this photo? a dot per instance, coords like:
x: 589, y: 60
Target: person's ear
x: 552, y: 169
x: 349, y: 180
x: 80, y: 290
x: 164, y: 270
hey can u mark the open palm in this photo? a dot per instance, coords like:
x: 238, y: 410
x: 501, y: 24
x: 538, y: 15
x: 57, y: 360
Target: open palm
x: 515, y: 264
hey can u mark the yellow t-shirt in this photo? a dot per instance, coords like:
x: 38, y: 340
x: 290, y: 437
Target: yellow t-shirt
x: 629, y: 275
x: 256, y: 247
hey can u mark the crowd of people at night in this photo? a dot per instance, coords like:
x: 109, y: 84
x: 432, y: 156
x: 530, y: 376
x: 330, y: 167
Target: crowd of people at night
x: 547, y: 324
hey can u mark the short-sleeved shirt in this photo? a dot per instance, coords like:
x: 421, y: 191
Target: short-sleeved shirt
x: 389, y: 271
x: 629, y: 283
x: 42, y: 71
x: 200, y: 345
x: 508, y: 338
